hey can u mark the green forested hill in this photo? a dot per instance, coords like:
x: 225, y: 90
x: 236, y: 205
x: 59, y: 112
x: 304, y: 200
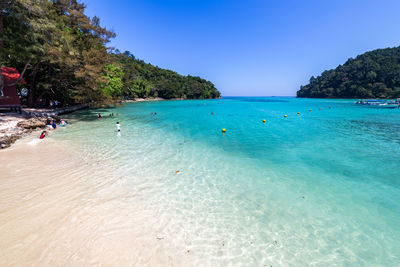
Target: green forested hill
x: 374, y: 74
x: 65, y: 56
x: 145, y: 80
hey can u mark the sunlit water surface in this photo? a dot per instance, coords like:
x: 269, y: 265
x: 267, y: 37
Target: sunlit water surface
x: 317, y: 188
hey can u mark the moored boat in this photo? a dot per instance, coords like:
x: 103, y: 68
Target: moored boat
x: 379, y: 103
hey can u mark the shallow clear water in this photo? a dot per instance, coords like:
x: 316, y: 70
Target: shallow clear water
x: 319, y: 188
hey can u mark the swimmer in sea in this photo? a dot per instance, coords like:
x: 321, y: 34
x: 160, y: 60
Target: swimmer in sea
x: 43, y: 135
x: 118, y: 126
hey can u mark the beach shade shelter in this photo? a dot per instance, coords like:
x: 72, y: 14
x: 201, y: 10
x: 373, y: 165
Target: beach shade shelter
x: 9, y: 95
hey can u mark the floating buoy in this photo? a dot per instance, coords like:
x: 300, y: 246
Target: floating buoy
x: 264, y: 121
x: 223, y: 130
x: 177, y: 172
x: 285, y: 116
x: 298, y: 113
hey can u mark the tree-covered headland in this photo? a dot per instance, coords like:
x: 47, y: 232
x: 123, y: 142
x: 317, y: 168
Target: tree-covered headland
x: 64, y: 55
x: 141, y: 79
x: 374, y: 74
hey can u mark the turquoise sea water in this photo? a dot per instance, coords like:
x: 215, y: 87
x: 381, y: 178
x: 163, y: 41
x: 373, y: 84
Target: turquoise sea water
x: 319, y: 188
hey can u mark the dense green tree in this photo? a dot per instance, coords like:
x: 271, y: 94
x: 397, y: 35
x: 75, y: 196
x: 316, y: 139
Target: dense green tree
x: 64, y: 55
x: 26, y: 33
x: 65, y: 48
x: 375, y: 74
x: 145, y: 80
x: 113, y: 85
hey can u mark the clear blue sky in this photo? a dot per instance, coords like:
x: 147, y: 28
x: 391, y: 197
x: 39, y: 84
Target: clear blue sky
x: 253, y: 48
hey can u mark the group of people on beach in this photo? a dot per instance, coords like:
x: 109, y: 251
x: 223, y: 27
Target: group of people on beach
x: 52, y: 124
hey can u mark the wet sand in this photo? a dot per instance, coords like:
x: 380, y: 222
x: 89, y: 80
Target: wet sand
x: 55, y: 211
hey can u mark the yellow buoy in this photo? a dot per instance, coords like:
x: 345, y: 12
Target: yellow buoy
x: 285, y: 116
x: 298, y: 113
x: 223, y: 130
x: 264, y: 121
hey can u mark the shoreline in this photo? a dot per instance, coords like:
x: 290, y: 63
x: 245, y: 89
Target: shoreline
x: 159, y: 195
x: 139, y: 99
x: 150, y: 99
x: 68, y: 211
x: 14, y: 126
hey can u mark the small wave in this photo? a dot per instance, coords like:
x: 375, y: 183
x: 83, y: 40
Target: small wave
x: 33, y: 142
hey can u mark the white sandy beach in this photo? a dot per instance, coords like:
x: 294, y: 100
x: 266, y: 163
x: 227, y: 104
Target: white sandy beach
x: 54, y: 212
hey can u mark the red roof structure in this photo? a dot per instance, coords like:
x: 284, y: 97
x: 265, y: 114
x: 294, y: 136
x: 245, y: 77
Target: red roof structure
x: 9, y: 98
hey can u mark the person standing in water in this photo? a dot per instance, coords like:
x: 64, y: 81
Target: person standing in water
x: 118, y: 126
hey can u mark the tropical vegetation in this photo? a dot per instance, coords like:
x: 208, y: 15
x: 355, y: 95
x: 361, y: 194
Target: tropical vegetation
x: 144, y: 80
x: 64, y: 55
x: 374, y: 74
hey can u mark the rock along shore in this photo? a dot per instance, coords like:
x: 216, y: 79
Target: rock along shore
x: 13, y: 126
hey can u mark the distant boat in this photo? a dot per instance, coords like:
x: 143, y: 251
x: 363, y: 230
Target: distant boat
x: 379, y: 103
